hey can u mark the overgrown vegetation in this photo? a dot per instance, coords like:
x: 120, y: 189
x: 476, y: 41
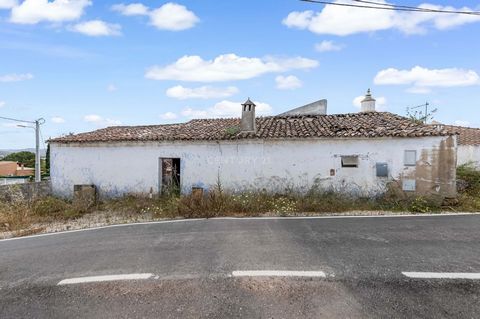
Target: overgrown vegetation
x: 218, y: 202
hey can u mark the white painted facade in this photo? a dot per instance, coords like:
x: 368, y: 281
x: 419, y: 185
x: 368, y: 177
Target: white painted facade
x: 468, y: 154
x: 274, y: 165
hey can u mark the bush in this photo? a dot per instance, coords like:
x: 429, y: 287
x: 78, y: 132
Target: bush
x: 471, y: 178
x: 49, y: 206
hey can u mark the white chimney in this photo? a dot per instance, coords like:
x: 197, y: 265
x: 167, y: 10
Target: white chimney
x: 368, y: 103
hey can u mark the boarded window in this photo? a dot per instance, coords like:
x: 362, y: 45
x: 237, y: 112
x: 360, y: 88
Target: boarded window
x: 350, y: 161
x: 410, y: 158
x: 382, y: 169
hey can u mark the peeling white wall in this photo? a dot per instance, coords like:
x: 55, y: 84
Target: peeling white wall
x: 274, y: 165
x: 468, y: 153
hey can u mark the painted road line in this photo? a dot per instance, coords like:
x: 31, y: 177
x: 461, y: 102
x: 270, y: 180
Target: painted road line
x: 82, y: 280
x: 277, y: 273
x: 442, y: 275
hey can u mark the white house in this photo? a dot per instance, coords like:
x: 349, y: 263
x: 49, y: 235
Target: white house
x: 359, y: 153
x: 468, y: 150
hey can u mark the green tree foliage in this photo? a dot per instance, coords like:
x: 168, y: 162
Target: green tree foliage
x: 26, y: 158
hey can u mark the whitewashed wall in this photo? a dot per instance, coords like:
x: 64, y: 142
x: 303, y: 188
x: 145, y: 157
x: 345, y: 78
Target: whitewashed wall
x: 468, y: 153
x: 119, y: 168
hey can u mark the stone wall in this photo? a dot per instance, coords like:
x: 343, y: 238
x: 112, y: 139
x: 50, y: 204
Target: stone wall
x: 27, y: 191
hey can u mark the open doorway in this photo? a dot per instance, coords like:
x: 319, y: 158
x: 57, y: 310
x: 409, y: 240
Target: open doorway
x: 169, y: 175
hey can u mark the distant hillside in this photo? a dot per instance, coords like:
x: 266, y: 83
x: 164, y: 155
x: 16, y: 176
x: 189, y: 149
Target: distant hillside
x: 4, y: 153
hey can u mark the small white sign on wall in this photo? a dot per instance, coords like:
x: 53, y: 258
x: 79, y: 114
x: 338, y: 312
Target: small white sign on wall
x: 409, y: 185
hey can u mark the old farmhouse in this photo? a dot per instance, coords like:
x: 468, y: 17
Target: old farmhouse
x: 358, y: 153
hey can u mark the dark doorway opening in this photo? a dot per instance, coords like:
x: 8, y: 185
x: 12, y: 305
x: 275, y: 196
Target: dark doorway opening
x: 170, y: 176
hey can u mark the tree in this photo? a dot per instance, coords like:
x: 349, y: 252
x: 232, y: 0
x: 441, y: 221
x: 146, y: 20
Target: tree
x: 26, y: 158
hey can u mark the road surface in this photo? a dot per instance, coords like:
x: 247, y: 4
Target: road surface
x: 365, y: 267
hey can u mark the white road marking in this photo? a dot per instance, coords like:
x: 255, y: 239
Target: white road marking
x: 442, y: 275
x: 237, y: 219
x: 277, y: 273
x: 82, y: 280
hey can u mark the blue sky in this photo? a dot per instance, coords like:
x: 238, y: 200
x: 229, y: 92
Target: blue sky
x: 86, y: 64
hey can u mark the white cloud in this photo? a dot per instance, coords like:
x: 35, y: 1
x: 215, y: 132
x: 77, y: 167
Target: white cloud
x: 112, y: 88
x: 133, y: 9
x: 2, y: 103
x: 58, y: 120
x: 97, y: 28
x: 326, y: 46
x: 289, y: 82
x: 8, y: 4
x: 380, y: 103
x: 173, y: 17
x: 225, y: 108
x: 422, y: 79
x: 100, y: 121
x: 14, y: 77
x: 170, y: 16
x: 168, y: 116
x: 462, y: 123
x: 203, y: 92
x: 225, y: 67
x: 338, y: 20
x: 35, y: 11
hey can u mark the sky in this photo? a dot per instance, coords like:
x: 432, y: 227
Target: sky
x: 87, y: 64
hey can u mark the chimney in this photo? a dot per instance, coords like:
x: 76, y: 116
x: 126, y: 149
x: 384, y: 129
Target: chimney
x: 368, y: 103
x: 248, y: 117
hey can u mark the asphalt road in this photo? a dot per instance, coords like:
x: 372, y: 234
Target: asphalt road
x: 192, y: 262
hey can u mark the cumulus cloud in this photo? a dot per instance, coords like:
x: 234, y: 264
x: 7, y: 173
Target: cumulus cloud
x: 225, y: 67
x: 8, y: 4
x: 100, y: 121
x: 170, y: 16
x: 203, y: 92
x: 225, y: 108
x: 97, y: 28
x: 14, y: 77
x: 380, y: 103
x: 326, y: 46
x: 289, y: 82
x: 342, y: 21
x: 35, y: 11
x: 58, y: 120
x: 422, y: 79
x: 133, y: 9
x: 168, y: 116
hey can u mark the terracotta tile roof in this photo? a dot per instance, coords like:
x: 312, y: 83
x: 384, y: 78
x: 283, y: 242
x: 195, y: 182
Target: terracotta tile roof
x: 374, y: 124
x: 466, y: 135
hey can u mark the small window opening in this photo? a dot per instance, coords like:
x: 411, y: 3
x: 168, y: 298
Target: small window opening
x: 350, y: 161
x: 410, y: 158
x: 244, y: 108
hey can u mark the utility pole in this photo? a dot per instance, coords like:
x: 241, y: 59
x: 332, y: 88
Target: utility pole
x: 38, y: 173
x: 38, y: 122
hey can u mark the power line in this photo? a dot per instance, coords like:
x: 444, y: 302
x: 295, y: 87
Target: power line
x: 16, y: 120
x: 417, y: 8
x: 383, y: 6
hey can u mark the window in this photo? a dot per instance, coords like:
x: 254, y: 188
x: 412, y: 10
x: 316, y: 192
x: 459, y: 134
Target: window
x: 410, y: 158
x: 350, y: 161
x: 382, y: 169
